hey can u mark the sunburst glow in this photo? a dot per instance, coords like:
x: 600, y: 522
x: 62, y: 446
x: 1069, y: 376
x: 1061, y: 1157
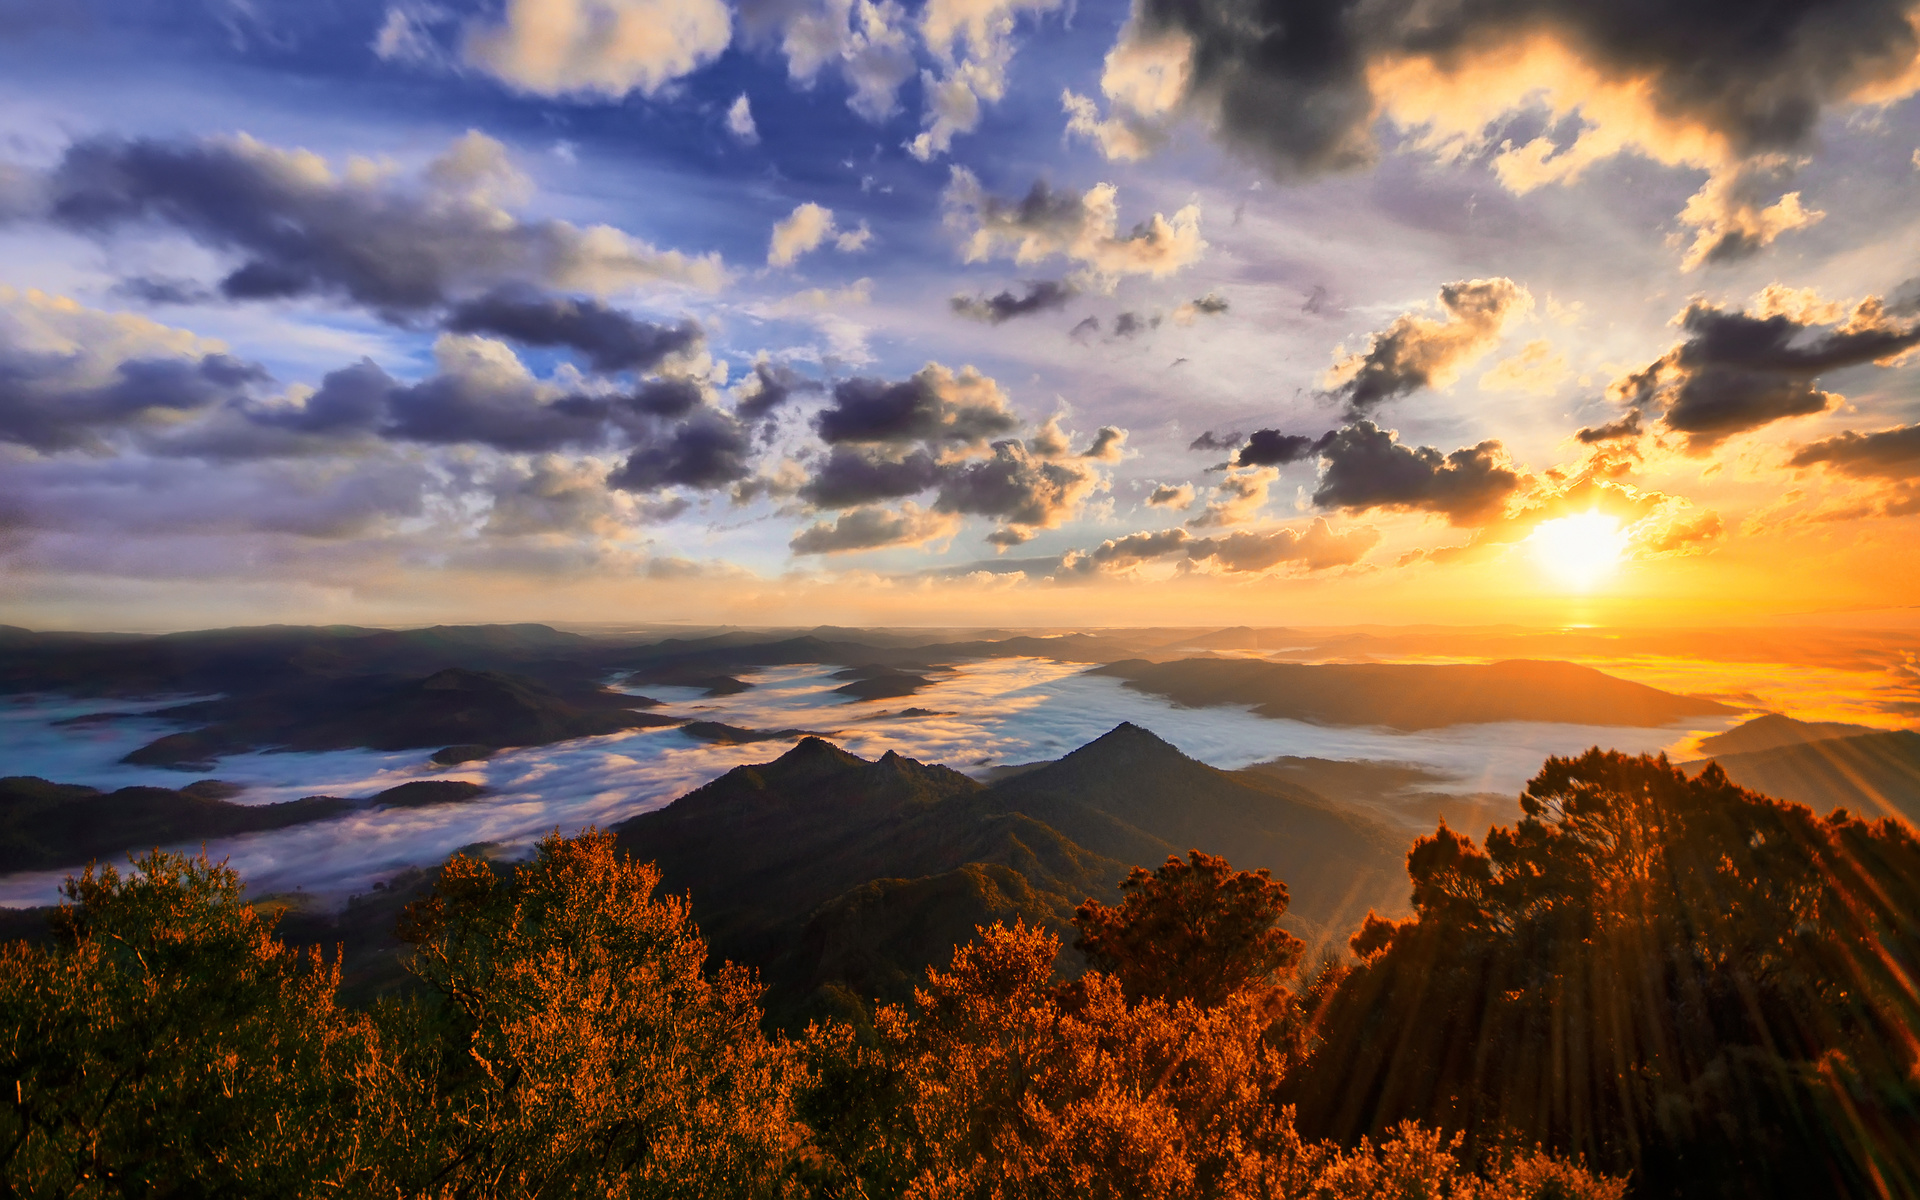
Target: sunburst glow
x: 1578, y: 552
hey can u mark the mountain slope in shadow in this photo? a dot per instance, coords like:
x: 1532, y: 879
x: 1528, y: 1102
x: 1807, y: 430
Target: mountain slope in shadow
x: 46, y: 824
x: 841, y: 878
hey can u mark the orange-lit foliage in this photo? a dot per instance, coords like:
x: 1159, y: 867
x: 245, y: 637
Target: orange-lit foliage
x: 1196, y: 930
x: 1672, y: 976
x: 998, y: 1085
x: 168, y: 1043
x: 583, y: 1049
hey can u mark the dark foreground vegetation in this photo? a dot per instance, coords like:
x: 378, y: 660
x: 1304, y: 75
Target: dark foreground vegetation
x: 1652, y: 985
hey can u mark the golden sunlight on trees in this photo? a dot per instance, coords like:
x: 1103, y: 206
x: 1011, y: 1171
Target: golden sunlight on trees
x: 1671, y: 976
x: 998, y: 1084
x: 583, y: 1040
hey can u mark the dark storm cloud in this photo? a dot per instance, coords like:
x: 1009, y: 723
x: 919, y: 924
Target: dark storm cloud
x: 1210, y: 305
x: 773, y: 385
x: 1288, y: 79
x: 1133, y: 324
x: 301, y: 230
x: 1367, y: 467
x: 849, y: 478
x: 1271, y: 448
x: 609, y: 340
x: 1042, y: 295
x: 934, y: 406
x: 1738, y: 371
x: 1884, y: 454
x: 57, y: 401
x: 710, y: 450
x: 1417, y: 351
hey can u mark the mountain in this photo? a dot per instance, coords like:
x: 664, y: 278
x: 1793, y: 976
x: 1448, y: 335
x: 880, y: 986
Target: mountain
x: 1771, y: 730
x: 1870, y: 774
x: 452, y: 707
x: 840, y: 877
x: 45, y: 825
x: 1412, y: 696
x: 1131, y: 797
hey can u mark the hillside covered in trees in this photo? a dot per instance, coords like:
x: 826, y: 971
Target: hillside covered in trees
x: 1654, y: 984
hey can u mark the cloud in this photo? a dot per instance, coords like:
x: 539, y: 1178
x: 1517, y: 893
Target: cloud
x: 936, y: 407
x: 1133, y: 324
x: 771, y: 386
x: 1145, y: 78
x: 867, y: 42
x: 1215, y: 442
x: 1238, y: 498
x: 740, y: 121
x: 1316, y: 548
x: 1366, y: 467
x: 1084, y: 229
x: 804, y: 230
x: 709, y: 450
x: 609, y: 339
x: 874, y: 528
x: 71, y: 375
x: 1538, y: 369
x: 1019, y: 487
x: 1883, y: 454
x: 1626, y: 428
x: 1176, y: 496
x: 1739, y: 370
x: 973, y: 42
x: 365, y: 235
x: 551, y: 495
x: 601, y: 49
x: 484, y: 394
x: 1209, y: 305
x: 1679, y: 537
x: 1271, y: 448
x: 849, y: 478
x: 1109, y: 445
x: 1730, y: 89
x: 1418, y: 352
x: 1042, y: 295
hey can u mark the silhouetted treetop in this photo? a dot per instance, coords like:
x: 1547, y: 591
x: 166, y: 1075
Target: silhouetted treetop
x: 1195, y: 930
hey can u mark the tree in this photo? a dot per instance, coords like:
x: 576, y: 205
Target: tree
x: 1669, y: 974
x: 168, y: 1042
x: 1195, y: 930
x: 582, y: 1049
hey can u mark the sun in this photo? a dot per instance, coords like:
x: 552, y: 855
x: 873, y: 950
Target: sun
x: 1579, y: 551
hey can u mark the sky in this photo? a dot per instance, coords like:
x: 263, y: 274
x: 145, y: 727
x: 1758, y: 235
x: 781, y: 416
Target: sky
x: 995, y: 311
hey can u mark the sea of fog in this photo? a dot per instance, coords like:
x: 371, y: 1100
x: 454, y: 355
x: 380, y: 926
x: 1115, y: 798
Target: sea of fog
x: 988, y: 713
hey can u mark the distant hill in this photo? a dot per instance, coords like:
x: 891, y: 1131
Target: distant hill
x: 1870, y: 774
x: 1772, y: 729
x: 452, y: 707
x: 833, y: 874
x: 1413, y: 696
x: 45, y: 825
